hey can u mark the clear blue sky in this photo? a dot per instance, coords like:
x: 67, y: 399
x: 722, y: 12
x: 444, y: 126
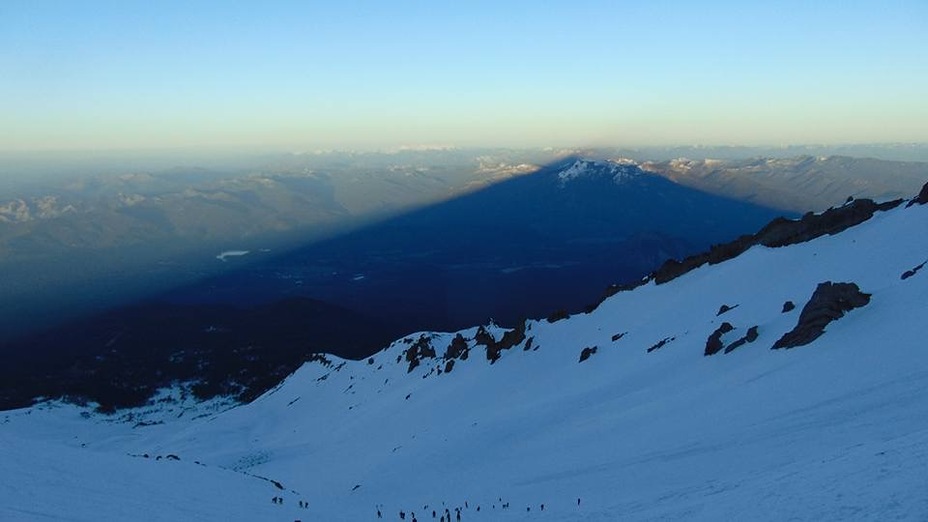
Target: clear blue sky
x: 374, y: 74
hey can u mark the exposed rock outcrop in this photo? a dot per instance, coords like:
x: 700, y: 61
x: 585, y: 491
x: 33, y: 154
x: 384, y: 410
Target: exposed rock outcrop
x: 788, y: 306
x: 458, y: 349
x: 829, y: 302
x: 909, y: 273
x: 529, y: 344
x: 587, y: 352
x: 613, y: 289
x: 749, y: 337
x: 921, y: 198
x: 714, y: 342
x: 660, y: 344
x: 319, y: 358
x: 421, y: 349
x: 725, y: 308
x: 511, y: 338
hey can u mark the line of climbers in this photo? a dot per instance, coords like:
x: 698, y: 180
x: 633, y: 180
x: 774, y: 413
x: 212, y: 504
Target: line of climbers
x: 446, y: 516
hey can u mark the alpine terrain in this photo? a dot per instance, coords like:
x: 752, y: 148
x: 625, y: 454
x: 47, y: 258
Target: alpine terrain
x: 778, y: 377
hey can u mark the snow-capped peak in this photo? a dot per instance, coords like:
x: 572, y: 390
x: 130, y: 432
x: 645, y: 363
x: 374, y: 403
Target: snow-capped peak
x: 620, y: 170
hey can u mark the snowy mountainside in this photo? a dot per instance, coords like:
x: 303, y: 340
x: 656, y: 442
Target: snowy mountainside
x: 645, y: 427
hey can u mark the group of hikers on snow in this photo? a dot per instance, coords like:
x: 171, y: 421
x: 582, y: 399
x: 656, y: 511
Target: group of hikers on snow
x: 280, y: 500
x: 446, y: 515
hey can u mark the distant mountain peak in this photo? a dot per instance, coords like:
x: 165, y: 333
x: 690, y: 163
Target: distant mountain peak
x: 621, y: 169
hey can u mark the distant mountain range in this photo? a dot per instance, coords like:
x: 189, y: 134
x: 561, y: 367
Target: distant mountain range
x: 797, y: 184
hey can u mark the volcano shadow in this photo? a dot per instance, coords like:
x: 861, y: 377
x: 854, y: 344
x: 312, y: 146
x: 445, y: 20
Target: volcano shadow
x: 520, y: 248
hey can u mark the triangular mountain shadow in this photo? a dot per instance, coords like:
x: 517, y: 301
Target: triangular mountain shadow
x: 520, y: 248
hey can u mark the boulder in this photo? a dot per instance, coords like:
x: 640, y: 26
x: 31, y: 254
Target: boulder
x: 714, y: 343
x: 829, y: 302
x: 749, y: 337
x: 587, y: 352
x: 725, y: 308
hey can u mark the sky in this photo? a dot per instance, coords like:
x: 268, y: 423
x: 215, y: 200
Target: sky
x: 307, y: 75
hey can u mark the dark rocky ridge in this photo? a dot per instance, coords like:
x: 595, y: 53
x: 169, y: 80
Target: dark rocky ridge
x: 779, y: 232
x: 829, y: 302
x: 922, y: 197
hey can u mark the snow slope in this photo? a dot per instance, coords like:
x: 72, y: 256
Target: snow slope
x: 835, y: 430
